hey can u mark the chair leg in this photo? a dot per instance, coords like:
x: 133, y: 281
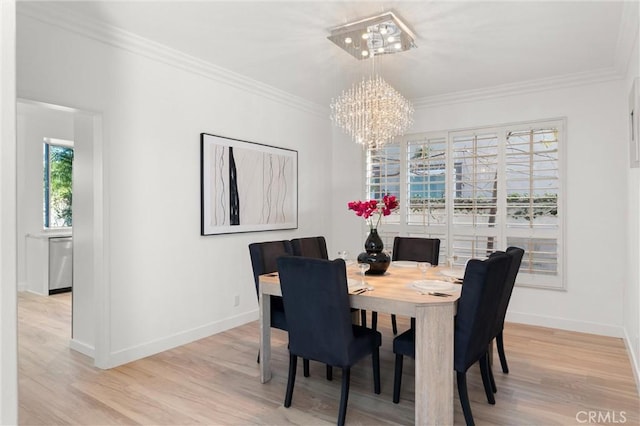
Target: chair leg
x: 485, y: 371
x: 394, y: 324
x: 258, y: 360
x: 397, y: 379
x: 329, y: 372
x: 374, y: 320
x: 375, y: 360
x: 293, y: 364
x: 305, y: 367
x: 492, y: 380
x: 503, y: 357
x: 363, y: 318
x: 464, y: 398
x: 342, y: 413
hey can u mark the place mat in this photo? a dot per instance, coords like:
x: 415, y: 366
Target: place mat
x: 453, y: 273
x: 404, y: 263
x: 432, y: 285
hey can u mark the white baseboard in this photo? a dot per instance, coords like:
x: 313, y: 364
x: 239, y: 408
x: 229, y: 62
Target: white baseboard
x: 22, y: 286
x: 36, y: 292
x: 633, y: 358
x: 83, y: 348
x: 565, y: 324
x: 151, y: 348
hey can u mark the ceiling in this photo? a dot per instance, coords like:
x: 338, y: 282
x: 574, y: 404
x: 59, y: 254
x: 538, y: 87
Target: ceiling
x: 462, y: 46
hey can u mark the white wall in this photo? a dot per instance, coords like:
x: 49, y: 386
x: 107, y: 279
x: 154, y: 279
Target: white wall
x: 348, y: 184
x: 165, y: 284
x: 631, y: 292
x: 87, y: 215
x: 8, y: 278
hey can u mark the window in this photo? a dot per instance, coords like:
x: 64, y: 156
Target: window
x: 426, y: 181
x: 383, y: 177
x: 479, y: 190
x: 58, y: 183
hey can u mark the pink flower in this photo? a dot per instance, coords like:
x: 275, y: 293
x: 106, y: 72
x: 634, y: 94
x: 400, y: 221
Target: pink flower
x: 367, y: 209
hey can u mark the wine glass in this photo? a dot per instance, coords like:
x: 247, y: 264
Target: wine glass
x: 424, y: 267
x: 364, y: 267
x: 451, y: 260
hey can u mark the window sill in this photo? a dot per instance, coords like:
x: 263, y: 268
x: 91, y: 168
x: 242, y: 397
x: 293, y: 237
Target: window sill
x: 48, y: 233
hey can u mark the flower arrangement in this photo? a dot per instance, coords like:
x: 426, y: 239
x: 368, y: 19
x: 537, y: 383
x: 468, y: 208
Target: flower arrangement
x: 369, y: 209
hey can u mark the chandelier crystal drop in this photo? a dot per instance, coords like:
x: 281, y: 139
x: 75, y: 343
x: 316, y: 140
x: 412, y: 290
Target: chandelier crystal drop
x: 372, y: 112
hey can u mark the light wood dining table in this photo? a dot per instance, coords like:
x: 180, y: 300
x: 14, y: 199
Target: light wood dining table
x: 394, y: 294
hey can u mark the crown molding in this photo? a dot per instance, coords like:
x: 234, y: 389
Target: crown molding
x: 511, y: 89
x: 60, y: 17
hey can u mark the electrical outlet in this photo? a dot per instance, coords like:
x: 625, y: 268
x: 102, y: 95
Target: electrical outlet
x: 236, y: 300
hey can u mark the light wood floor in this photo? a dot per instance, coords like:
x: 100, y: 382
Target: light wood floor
x: 555, y: 375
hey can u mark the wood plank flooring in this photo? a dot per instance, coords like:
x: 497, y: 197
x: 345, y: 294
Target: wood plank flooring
x: 555, y: 376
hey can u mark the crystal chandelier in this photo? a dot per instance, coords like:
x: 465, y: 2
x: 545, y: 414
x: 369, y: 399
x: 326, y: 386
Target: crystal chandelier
x: 372, y: 112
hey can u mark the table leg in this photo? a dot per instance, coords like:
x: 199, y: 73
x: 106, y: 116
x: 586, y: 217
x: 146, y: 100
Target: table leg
x: 265, y: 337
x: 434, y: 364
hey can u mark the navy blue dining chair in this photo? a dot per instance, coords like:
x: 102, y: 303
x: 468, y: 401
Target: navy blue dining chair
x: 263, y: 261
x: 416, y: 249
x: 473, y: 331
x: 316, y: 298
x: 315, y: 247
x: 515, y: 254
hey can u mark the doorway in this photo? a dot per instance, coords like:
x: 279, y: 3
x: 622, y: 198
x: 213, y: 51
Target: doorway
x: 41, y: 123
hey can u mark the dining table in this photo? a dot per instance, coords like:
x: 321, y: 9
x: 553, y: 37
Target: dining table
x: 402, y: 290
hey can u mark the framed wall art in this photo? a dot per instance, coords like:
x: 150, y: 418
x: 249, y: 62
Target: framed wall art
x: 634, y: 124
x: 246, y: 186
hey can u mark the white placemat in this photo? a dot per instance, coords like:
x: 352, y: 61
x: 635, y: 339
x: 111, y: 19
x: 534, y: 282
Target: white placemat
x: 453, y: 273
x: 432, y: 285
x: 404, y: 263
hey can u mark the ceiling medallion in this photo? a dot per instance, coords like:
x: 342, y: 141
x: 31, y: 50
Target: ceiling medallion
x: 372, y: 111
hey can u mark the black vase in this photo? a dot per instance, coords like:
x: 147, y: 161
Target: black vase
x: 374, y: 256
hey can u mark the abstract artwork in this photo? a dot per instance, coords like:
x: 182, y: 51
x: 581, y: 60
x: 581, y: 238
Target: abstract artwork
x: 246, y: 186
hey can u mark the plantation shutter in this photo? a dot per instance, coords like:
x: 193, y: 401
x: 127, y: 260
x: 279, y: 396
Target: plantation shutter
x: 479, y: 190
x: 382, y: 178
x: 533, y: 185
x: 426, y: 182
x: 474, y: 218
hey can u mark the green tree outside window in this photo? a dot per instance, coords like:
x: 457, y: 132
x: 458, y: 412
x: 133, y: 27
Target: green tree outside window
x: 58, y: 185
